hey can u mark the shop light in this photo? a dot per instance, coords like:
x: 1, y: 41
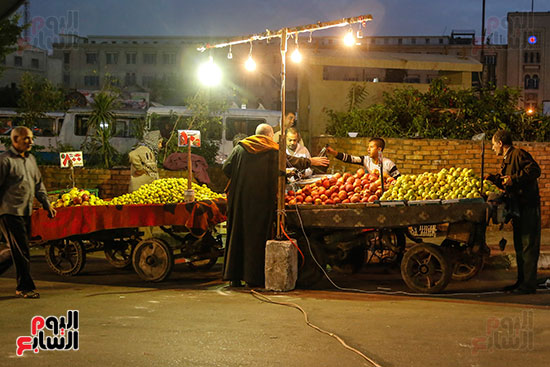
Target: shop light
x: 530, y: 111
x: 209, y: 73
x: 250, y: 64
x: 229, y: 54
x: 296, y: 56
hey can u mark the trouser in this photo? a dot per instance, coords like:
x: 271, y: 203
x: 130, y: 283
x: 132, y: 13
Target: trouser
x: 15, y: 230
x: 527, y: 245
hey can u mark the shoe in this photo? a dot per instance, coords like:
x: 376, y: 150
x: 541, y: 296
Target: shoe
x: 510, y: 288
x: 235, y: 283
x: 27, y: 294
x: 524, y: 291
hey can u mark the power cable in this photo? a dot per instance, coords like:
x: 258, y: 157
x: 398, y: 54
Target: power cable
x: 264, y: 298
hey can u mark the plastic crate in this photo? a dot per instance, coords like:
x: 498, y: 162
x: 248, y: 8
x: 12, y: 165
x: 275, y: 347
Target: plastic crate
x: 424, y: 230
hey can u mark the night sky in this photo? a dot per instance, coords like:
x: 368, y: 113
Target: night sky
x: 243, y: 17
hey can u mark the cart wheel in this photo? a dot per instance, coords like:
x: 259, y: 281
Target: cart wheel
x: 119, y: 253
x: 309, y: 273
x: 202, y: 265
x: 153, y: 260
x: 424, y: 269
x: 65, y: 257
x: 394, y: 246
x: 467, y: 267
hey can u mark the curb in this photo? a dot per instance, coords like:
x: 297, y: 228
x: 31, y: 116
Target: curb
x: 507, y: 260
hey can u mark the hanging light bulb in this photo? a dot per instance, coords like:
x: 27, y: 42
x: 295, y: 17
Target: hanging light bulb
x: 250, y: 64
x: 349, y: 38
x: 296, y: 56
x: 209, y: 73
x: 229, y: 54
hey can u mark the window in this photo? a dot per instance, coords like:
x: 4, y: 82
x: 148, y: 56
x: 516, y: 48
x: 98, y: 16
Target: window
x: 235, y: 125
x: 525, y: 57
x: 527, y: 81
x: 66, y: 79
x: 538, y: 58
x: 169, y: 59
x: 111, y: 58
x: 44, y: 127
x: 35, y: 64
x: 3, y: 60
x: 130, y: 79
x: 441, y: 41
x: 147, y: 81
x: 413, y: 41
x: 150, y: 59
x: 18, y: 61
x: 427, y: 41
x: 81, y: 125
x: 531, y: 57
x: 400, y: 41
x: 7, y: 123
x: 91, y: 58
x: 66, y: 57
x: 91, y: 81
x: 535, y: 82
x: 131, y: 58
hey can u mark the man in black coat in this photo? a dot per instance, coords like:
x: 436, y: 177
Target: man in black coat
x: 252, y: 204
x: 519, y: 177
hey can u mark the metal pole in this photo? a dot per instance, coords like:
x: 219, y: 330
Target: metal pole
x: 281, y: 179
x: 482, y: 53
x: 482, y: 163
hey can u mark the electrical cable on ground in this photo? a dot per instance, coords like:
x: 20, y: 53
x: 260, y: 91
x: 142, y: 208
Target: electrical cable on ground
x: 264, y: 298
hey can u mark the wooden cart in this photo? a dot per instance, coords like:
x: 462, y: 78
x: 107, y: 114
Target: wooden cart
x: 350, y: 235
x: 183, y: 234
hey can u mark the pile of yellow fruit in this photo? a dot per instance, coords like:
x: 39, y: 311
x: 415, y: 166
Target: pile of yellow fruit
x: 165, y: 191
x: 453, y: 183
x: 77, y: 197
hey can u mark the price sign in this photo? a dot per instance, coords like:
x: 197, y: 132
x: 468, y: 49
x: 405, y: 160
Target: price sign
x: 69, y: 159
x: 192, y: 137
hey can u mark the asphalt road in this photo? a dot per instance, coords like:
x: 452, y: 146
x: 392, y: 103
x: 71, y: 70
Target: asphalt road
x: 193, y: 319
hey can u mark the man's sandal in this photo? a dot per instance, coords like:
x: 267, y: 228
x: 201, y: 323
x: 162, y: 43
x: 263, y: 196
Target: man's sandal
x: 27, y: 294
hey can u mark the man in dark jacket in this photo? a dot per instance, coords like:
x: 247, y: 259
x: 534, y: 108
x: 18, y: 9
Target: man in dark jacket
x: 252, y: 203
x: 518, y: 177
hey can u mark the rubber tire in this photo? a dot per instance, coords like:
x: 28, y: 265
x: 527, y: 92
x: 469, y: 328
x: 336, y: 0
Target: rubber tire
x: 476, y: 267
x: 409, y: 264
x: 153, y: 260
x: 111, y: 250
x: 58, y: 252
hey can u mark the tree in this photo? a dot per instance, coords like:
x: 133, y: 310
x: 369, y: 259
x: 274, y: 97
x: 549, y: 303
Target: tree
x: 38, y: 95
x: 10, y: 31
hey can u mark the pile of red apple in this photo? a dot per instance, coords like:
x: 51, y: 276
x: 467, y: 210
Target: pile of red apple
x: 347, y: 188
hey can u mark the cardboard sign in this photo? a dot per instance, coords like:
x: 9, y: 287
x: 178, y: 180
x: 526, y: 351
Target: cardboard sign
x: 71, y: 158
x: 186, y: 136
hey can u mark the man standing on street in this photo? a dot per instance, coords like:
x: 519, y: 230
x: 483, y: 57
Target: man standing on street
x: 20, y: 183
x: 252, y: 204
x: 518, y: 177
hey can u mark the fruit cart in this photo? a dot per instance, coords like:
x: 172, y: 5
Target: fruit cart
x: 151, y: 237
x: 350, y: 235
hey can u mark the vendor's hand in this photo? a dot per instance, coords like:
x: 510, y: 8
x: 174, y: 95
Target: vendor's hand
x: 506, y: 180
x: 319, y: 161
x: 331, y: 151
x: 51, y: 212
x: 139, y: 173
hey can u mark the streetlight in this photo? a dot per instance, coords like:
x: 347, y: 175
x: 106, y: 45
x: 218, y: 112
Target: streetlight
x: 209, y: 73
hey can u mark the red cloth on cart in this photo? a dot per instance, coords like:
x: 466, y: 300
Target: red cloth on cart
x: 197, y: 216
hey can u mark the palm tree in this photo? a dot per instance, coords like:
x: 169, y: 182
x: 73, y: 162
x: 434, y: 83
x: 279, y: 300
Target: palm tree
x: 102, y: 122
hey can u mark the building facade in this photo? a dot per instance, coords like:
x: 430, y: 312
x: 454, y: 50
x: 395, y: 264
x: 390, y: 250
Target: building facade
x: 29, y: 60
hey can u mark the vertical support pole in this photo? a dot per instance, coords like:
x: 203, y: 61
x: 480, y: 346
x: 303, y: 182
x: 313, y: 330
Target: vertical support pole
x: 189, y: 167
x: 482, y: 165
x: 281, y: 179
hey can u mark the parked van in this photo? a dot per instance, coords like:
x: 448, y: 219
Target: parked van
x: 234, y: 121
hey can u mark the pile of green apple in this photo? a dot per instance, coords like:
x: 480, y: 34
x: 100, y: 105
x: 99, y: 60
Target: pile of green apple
x: 452, y: 183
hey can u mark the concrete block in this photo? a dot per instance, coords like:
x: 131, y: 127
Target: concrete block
x: 281, y: 265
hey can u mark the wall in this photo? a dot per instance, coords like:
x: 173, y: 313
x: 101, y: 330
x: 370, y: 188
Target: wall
x: 414, y: 156
x: 113, y: 182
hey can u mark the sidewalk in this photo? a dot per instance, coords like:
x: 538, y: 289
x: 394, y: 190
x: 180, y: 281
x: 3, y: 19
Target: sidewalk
x: 508, y: 256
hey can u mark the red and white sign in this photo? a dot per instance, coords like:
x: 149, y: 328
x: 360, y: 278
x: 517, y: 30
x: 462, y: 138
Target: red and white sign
x: 186, y: 136
x: 71, y: 158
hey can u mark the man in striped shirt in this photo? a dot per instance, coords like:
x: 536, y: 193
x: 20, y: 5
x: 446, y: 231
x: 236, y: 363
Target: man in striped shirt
x: 371, y: 162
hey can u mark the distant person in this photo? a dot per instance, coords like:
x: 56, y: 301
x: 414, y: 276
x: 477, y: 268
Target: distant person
x: 519, y: 177
x: 295, y: 149
x: 20, y: 183
x: 252, y: 170
x: 290, y: 121
x: 143, y: 161
x: 371, y: 161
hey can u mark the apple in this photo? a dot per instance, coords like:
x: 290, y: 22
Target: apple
x: 372, y: 198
